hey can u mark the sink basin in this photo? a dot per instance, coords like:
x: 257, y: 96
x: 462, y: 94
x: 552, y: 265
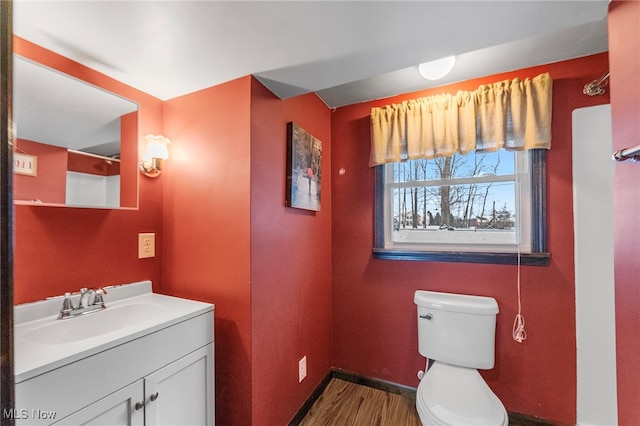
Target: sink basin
x: 44, y: 343
x: 93, y: 324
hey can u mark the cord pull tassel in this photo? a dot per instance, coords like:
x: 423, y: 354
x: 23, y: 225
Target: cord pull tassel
x: 519, y: 334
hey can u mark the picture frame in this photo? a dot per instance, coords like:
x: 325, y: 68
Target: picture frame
x: 304, y: 169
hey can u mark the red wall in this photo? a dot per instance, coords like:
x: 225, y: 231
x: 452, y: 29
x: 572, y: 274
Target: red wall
x: 624, y: 47
x: 374, y: 318
x: 49, y: 184
x: 229, y: 240
x: 226, y: 168
x: 207, y: 227
x: 59, y: 249
x: 129, y: 169
x: 290, y: 261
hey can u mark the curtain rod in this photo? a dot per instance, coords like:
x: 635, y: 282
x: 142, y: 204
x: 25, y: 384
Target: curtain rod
x: 632, y: 154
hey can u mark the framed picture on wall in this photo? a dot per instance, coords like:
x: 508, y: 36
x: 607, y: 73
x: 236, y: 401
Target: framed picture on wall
x: 304, y: 169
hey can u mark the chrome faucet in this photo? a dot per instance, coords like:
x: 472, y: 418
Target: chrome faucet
x: 90, y: 301
x: 87, y: 297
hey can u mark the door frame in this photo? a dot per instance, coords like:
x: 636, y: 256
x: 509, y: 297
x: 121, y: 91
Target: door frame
x: 6, y: 212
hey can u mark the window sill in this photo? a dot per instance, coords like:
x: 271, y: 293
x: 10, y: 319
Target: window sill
x: 526, y: 259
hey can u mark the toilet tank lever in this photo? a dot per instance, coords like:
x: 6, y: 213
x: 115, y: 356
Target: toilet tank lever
x: 428, y: 316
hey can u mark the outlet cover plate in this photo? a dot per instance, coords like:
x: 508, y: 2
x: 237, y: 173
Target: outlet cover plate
x: 146, y: 245
x: 302, y: 369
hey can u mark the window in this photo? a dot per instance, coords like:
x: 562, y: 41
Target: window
x: 478, y: 207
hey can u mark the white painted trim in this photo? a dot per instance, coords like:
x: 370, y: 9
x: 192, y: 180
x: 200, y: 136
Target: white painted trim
x: 595, y: 298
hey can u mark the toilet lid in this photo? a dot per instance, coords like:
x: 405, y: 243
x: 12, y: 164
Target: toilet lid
x: 459, y: 396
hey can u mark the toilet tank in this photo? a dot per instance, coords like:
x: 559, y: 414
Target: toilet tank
x: 457, y: 329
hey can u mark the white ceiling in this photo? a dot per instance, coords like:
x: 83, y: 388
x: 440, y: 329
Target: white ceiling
x: 347, y: 52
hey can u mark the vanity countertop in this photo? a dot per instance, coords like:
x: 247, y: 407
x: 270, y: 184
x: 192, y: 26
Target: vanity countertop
x: 43, y: 343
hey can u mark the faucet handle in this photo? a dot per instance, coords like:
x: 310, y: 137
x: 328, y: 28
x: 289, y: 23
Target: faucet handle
x: 98, y: 299
x: 66, y: 303
x: 67, y: 307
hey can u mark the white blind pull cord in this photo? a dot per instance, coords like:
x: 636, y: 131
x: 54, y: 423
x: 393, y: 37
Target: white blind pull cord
x: 519, y: 334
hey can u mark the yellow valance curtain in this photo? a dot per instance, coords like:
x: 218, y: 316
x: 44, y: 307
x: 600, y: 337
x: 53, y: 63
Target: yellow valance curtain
x: 514, y: 115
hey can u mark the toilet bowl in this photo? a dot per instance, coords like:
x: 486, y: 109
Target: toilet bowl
x: 457, y: 333
x: 457, y: 396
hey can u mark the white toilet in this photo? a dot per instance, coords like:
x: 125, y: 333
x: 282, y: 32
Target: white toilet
x: 457, y: 333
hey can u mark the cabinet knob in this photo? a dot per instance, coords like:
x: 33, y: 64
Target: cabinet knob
x: 139, y: 405
x: 154, y: 396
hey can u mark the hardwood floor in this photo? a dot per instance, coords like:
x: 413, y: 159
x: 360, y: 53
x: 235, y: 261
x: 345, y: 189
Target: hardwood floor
x: 349, y: 404
x: 346, y: 403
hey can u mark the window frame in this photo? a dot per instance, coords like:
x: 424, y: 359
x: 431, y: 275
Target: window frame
x: 538, y: 256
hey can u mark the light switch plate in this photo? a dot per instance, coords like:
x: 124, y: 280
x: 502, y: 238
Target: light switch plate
x: 146, y: 245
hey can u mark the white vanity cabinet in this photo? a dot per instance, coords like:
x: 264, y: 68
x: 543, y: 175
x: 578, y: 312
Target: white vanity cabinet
x: 178, y: 394
x: 158, y: 371
x: 119, y: 408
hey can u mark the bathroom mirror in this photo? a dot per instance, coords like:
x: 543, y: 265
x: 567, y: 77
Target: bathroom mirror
x: 71, y: 141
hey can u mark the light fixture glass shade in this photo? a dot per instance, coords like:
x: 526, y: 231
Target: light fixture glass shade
x: 155, y: 153
x: 157, y: 147
x: 435, y: 70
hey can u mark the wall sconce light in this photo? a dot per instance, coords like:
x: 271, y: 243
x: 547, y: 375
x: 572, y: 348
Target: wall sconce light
x: 154, y: 155
x: 435, y: 70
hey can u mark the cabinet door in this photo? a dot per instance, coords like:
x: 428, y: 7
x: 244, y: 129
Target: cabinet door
x: 116, y: 409
x: 182, y: 392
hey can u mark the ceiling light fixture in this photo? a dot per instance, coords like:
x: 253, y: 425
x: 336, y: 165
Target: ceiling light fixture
x: 435, y: 70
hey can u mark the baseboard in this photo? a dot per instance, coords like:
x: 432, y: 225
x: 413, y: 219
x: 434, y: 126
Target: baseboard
x: 524, y: 420
x: 295, y: 421
x: 384, y: 385
x: 407, y: 391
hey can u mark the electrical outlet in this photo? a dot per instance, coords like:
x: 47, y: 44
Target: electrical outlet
x: 302, y: 369
x: 146, y: 245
